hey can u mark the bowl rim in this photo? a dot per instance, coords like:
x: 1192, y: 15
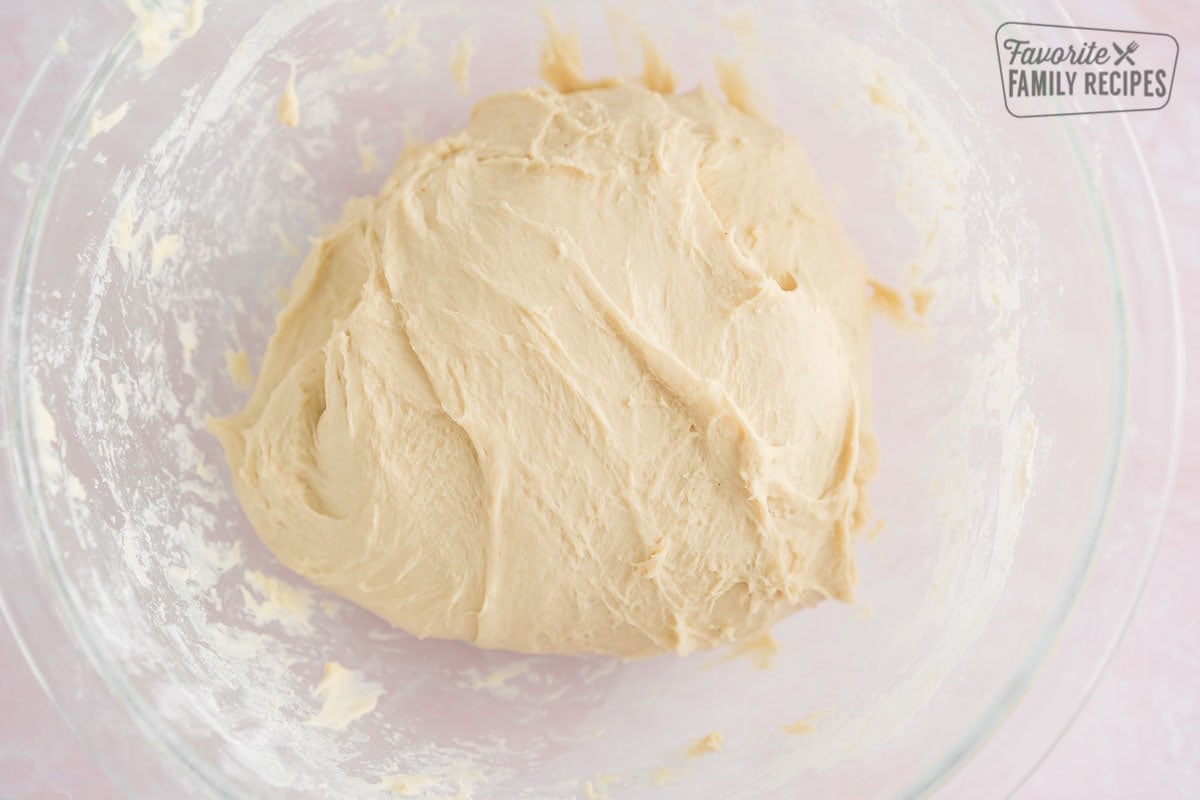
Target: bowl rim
x: 58, y: 630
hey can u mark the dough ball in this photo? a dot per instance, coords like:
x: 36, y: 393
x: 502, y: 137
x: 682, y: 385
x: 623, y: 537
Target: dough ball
x: 590, y: 376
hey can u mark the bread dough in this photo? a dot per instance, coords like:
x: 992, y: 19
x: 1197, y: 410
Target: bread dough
x: 590, y: 376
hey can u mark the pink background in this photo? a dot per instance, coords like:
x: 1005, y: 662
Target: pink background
x: 1139, y: 735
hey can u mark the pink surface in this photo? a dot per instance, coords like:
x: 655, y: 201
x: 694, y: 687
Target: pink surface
x: 1138, y: 737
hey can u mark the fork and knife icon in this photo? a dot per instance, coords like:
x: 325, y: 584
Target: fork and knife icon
x: 1126, y: 54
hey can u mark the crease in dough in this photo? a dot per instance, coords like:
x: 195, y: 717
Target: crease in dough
x: 591, y: 375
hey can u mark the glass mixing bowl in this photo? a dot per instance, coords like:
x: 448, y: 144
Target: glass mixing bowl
x: 1028, y: 433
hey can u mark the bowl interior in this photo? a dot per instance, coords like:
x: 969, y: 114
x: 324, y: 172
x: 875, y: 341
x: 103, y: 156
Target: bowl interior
x: 158, y: 252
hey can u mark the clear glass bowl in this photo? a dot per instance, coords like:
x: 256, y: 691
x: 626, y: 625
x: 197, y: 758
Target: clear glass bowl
x: 1029, y: 435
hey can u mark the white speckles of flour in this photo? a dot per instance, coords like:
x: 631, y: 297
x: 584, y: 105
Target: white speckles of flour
x: 230, y: 648
x: 241, y: 649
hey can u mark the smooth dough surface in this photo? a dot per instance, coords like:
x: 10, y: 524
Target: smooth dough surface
x: 590, y: 376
